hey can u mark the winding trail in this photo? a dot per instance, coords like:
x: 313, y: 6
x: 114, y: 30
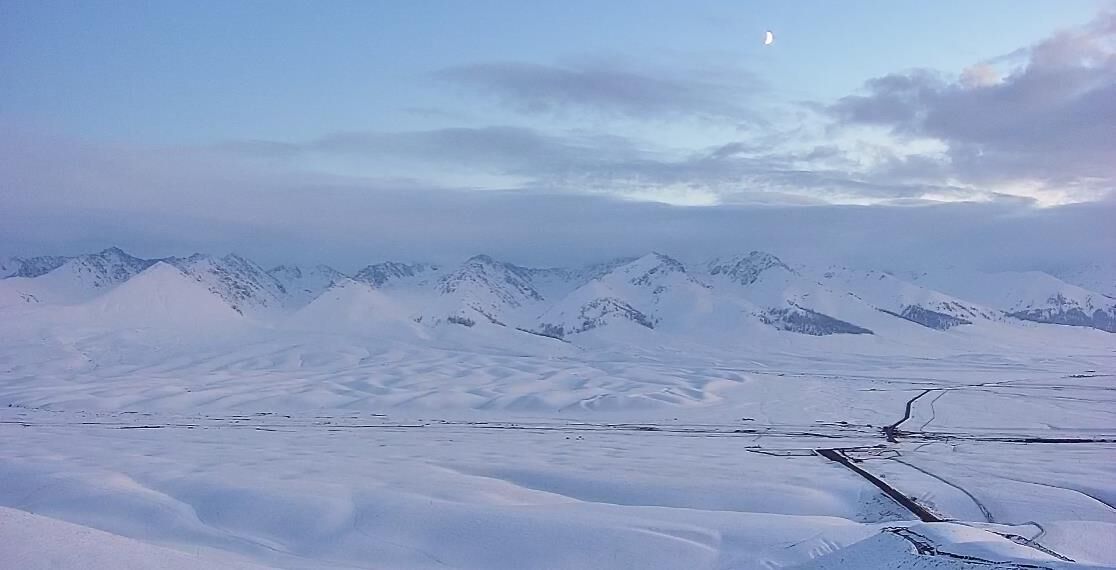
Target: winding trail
x: 921, y: 543
x: 925, y: 546
x: 983, y: 509
x: 891, y: 431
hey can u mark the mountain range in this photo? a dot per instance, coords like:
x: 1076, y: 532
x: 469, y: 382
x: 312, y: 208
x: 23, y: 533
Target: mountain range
x: 724, y: 300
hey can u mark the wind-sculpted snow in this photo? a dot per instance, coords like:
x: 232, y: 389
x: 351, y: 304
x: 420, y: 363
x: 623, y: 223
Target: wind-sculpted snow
x: 242, y: 457
x: 149, y: 423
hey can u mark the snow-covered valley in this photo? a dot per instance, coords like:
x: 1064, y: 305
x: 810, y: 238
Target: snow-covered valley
x: 635, y: 413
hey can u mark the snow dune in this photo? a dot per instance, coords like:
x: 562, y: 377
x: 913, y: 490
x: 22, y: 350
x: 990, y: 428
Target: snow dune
x: 205, y: 413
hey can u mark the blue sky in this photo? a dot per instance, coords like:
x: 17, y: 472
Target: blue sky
x: 196, y: 72
x: 108, y: 106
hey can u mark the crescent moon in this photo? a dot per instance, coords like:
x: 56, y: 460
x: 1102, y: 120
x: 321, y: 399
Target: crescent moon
x: 768, y: 38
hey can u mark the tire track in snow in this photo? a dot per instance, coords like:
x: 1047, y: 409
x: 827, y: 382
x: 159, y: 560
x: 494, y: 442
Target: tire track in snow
x: 983, y: 509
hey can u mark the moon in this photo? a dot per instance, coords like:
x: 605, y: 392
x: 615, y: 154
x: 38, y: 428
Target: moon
x: 768, y: 38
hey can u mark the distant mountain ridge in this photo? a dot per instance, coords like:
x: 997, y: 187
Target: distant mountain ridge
x: 388, y: 272
x: 728, y: 297
x: 30, y: 266
x: 241, y: 283
x: 1032, y: 296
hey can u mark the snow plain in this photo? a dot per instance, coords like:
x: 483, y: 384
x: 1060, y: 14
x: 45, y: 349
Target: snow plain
x: 140, y: 431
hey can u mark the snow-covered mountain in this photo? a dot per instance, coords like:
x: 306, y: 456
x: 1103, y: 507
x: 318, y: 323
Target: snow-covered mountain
x: 557, y: 282
x: 161, y: 296
x: 352, y: 306
x: 746, y: 269
x: 908, y: 300
x: 395, y: 273
x: 1030, y: 296
x: 1099, y: 277
x: 76, y: 279
x: 303, y: 285
x: 788, y: 300
x: 29, y: 266
x: 104, y: 269
x: 245, y: 286
x: 726, y: 300
x: 484, y: 289
x: 642, y: 292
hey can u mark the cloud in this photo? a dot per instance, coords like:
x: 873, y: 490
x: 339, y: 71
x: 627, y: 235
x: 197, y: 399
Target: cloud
x: 848, y: 180
x: 66, y: 197
x: 1036, y: 123
x: 1048, y: 121
x: 587, y: 163
x: 611, y: 88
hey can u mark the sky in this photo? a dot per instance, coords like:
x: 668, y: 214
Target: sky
x: 353, y: 132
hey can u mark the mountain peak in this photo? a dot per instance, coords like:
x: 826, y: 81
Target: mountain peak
x: 237, y: 259
x: 31, y: 266
x: 239, y: 281
x: 114, y: 251
x: 292, y: 271
x: 746, y: 269
x: 486, y: 287
x: 658, y: 260
x: 163, y: 295
x: 385, y: 272
x: 665, y: 260
x: 484, y: 271
x: 303, y: 285
x: 106, y: 268
x: 652, y: 267
x: 482, y: 258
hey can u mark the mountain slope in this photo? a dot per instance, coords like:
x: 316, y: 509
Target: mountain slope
x: 591, y: 306
x: 557, y: 282
x: 101, y: 270
x: 1031, y: 296
x: 30, y: 266
x: 652, y: 291
x: 162, y: 296
x: 394, y: 273
x: 303, y: 285
x: 729, y: 300
x: 76, y: 279
x: 1099, y: 277
x: 241, y: 283
x: 356, y: 307
x: 787, y: 300
x: 485, y: 290
x: 910, y: 301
